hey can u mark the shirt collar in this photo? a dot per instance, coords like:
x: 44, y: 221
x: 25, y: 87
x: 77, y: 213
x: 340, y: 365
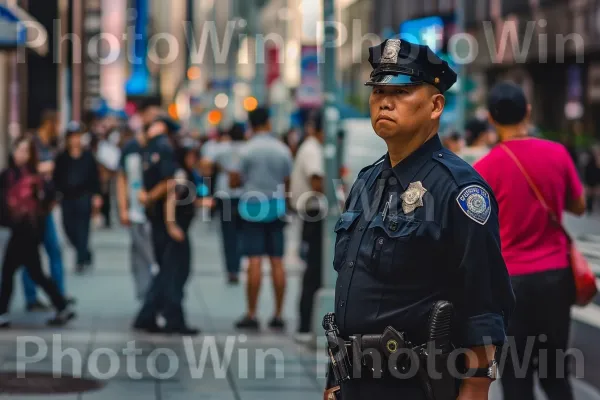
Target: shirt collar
x: 406, y: 169
x: 262, y: 135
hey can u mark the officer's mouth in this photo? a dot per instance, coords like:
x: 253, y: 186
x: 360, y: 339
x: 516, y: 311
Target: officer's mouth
x: 384, y: 118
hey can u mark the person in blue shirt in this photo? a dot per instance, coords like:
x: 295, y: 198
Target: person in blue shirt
x: 420, y: 227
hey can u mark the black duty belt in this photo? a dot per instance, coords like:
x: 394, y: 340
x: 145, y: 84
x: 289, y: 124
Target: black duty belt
x: 391, y: 354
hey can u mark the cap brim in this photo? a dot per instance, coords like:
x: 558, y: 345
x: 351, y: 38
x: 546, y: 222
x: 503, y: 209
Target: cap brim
x: 393, y: 80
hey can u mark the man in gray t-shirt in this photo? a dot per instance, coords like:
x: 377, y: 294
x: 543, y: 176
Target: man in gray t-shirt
x: 264, y: 171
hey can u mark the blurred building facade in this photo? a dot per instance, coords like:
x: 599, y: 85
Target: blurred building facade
x: 557, y: 58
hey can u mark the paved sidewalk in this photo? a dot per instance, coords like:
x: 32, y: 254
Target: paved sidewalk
x: 100, y: 344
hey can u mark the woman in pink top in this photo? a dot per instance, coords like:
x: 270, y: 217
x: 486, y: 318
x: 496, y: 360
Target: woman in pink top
x: 534, y: 248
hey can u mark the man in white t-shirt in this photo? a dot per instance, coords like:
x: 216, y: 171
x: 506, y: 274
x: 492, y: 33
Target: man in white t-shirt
x: 307, y: 187
x: 131, y: 212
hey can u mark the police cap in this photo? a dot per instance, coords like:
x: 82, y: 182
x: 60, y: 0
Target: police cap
x: 397, y: 62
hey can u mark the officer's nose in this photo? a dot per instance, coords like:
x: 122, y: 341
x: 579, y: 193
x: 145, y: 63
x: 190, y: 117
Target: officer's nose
x: 386, y: 104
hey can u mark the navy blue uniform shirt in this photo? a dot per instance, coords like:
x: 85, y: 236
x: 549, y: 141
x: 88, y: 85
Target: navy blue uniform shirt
x: 423, y: 231
x: 159, y: 165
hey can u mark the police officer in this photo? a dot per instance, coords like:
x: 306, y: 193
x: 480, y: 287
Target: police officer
x: 159, y: 167
x: 420, y: 226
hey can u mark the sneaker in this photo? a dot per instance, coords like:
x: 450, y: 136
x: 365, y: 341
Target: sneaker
x: 247, y: 323
x: 233, y: 280
x: 70, y: 301
x: 37, y: 306
x: 277, y: 323
x: 62, y: 317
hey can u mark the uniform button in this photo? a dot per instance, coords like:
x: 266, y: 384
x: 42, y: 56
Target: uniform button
x: 440, y: 155
x: 342, y: 303
x: 351, y: 264
x: 380, y: 240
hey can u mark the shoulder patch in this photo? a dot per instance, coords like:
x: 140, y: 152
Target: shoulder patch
x: 475, y: 202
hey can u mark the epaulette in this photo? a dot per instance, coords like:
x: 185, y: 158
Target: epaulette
x: 461, y: 171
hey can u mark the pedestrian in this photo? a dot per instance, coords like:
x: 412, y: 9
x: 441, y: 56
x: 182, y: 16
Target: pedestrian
x: 159, y: 163
x: 307, y: 188
x: 180, y: 209
x: 132, y: 213
x: 108, y: 155
x: 77, y: 181
x: 534, y: 246
x: 479, y: 138
x: 227, y: 159
x: 25, y: 201
x: 46, y: 142
x: 264, y: 171
x: 418, y: 243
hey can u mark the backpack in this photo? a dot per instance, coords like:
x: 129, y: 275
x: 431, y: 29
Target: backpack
x: 21, y: 199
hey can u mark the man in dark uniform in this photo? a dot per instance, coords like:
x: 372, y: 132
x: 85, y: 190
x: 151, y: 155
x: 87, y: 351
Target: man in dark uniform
x: 159, y: 167
x: 420, y: 226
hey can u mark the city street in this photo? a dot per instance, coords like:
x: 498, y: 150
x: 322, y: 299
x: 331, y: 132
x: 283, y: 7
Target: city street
x: 99, y: 343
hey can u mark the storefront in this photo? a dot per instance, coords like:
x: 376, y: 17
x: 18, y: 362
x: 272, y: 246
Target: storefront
x: 18, y: 32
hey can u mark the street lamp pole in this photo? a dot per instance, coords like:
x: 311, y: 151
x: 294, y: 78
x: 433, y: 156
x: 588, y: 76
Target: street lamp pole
x: 326, y: 295
x: 232, y: 57
x: 259, y: 46
x: 461, y: 95
x: 190, y: 21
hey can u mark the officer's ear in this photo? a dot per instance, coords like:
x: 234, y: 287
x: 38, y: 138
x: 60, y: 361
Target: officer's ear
x: 438, y: 101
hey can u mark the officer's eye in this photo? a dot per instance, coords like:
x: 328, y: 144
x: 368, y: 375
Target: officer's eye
x: 377, y: 91
x: 401, y: 91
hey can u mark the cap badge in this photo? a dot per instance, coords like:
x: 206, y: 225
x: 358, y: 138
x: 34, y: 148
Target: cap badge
x: 390, y: 52
x: 413, y: 197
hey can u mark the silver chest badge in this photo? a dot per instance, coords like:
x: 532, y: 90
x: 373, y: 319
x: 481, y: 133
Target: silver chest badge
x: 413, y: 197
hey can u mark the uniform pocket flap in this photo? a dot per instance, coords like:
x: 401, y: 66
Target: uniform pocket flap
x: 396, y: 226
x: 346, y: 220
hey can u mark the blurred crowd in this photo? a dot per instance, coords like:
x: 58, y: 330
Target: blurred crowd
x: 144, y: 167
x: 249, y: 178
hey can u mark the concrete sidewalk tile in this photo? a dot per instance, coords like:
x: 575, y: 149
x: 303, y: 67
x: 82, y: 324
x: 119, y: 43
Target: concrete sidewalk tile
x: 197, y: 396
x: 300, y: 383
x: 40, y: 397
x: 206, y: 384
x: 65, y: 367
x: 277, y: 394
x: 116, y: 390
x: 122, y: 367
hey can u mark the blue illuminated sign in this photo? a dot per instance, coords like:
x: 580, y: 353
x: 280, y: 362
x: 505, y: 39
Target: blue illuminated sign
x: 427, y: 31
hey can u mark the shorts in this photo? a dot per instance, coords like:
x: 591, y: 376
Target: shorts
x: 263, y: 239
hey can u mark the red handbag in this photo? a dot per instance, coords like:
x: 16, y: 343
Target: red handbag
x: 584, y: 277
